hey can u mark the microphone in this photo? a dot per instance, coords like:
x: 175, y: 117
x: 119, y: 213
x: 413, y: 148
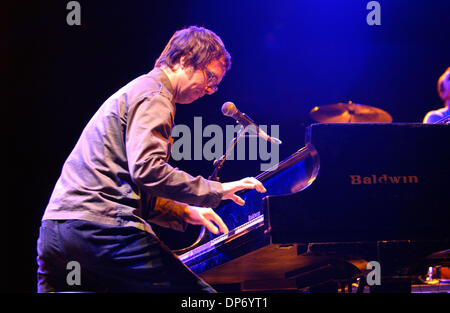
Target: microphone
x: 229, y: 109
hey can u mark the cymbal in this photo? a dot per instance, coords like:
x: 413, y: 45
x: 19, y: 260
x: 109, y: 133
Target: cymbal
x: 349, y: 113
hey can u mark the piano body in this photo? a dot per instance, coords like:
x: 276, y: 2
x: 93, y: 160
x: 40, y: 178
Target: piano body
x: 355, y: 193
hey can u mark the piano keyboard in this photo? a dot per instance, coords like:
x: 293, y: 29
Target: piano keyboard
x: 212, y: 244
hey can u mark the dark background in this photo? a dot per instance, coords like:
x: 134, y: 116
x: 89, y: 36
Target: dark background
x: 288, y: 56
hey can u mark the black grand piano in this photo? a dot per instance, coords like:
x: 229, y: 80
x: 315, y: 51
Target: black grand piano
x: 355, y: 193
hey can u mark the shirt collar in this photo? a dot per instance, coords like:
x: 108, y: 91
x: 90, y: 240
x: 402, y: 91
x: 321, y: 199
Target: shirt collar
x: 165, y: 86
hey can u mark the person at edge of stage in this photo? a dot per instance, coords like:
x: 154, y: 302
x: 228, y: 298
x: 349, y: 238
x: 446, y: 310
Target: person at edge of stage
x: 443, y: 88
x: 116, y: 180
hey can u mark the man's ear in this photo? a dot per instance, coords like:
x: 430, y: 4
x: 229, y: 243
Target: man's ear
x: 180, y: 65
x: 176, y: 67
x: 183, y: 62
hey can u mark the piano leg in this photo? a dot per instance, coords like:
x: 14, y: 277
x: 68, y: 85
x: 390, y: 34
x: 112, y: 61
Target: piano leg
x: 333, y: 276
x: 361, y: 285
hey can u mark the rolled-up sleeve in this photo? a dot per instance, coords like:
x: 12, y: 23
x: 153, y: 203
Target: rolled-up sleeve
x: 168, y: 213
x: 148, y: 141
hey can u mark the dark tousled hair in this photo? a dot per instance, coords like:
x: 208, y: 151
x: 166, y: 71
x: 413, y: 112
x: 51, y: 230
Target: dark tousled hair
x: 198, y: 45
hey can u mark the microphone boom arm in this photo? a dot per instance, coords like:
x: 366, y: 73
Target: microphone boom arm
x: 219, y: 162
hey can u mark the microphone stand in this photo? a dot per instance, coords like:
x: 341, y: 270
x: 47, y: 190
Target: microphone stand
x: 219, y: 162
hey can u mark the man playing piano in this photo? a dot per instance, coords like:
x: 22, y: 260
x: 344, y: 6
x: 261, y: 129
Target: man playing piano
x: 117, y: 179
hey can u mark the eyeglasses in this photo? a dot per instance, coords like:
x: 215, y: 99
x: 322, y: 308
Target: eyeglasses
x: 211, y: 82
